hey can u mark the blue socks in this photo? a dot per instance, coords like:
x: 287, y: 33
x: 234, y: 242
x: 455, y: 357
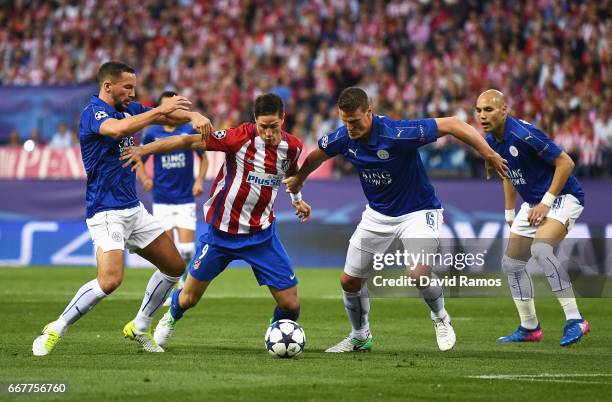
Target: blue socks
x: 175, y: 308
x: 280, y: 314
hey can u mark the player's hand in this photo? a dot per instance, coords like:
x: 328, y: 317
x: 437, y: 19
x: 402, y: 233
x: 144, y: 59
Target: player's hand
x: 538, y: 214
x: 174, y: 103
x: 197, y: 189
x: 202, y: 125
x: 509, y: 223
x: 302, y: 210
x: 132, y: 156
x: 147, y: 184
x: 293, y: 183
x: 496, y: 163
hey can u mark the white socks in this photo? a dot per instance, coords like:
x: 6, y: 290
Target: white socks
x: 357, y: 306
x: 527, y: 313
x: 434, y: 297
x: 83, y: 301
x: 157, y: 291
x: 568, y: 303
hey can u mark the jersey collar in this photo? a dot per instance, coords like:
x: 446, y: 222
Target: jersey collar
x: 95, y: 99
x: 377, y: 127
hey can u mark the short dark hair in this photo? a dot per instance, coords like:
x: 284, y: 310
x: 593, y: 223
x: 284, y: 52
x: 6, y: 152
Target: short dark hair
x: 113, y: 69
x: 166, y: 94
x: 268, y: 104
x: 352, y: 98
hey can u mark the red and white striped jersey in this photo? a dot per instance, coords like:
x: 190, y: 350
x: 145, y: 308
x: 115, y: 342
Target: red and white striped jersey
x: 244, y: 191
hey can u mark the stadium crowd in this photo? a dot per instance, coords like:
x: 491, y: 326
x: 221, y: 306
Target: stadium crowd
x: 414, y: 58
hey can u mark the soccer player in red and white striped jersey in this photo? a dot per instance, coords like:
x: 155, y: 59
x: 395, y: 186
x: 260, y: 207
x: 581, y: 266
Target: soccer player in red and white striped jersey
x: 239, y: 211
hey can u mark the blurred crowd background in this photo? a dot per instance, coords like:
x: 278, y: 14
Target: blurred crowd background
x: 414, y: 58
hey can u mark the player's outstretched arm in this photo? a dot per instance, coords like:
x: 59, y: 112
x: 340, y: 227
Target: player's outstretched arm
x: 313, y: 161
x: 201, y: 124
x: 119, y: 128
x: 133, y: 155
x: 564, y: 166
x: 468, y: 134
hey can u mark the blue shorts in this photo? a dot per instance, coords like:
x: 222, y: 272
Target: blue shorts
x: 268, y: 259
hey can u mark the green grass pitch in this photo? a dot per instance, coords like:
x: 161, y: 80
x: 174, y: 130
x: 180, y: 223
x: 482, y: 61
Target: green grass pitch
x: 218, y: 354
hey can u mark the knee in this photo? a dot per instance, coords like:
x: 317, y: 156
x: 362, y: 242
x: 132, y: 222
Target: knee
x: 510, y: 265
x: 110, y: 282
x: 350, y: 283
x: 539, y: 251
x: 290, y: 305
x: 175, y: 268
x: 419, y: 273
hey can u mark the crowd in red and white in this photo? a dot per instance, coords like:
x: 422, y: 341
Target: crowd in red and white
x: 414, y: 58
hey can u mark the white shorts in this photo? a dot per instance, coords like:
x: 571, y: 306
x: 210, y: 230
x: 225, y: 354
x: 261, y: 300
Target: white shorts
x: 566, y: 209
x: 416, y: 232
x: 134, y: 228
x: 176, y: 215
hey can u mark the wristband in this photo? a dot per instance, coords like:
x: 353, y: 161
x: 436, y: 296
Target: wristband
x: 548, y: 199
x: 296, y: 197
x: 510, y: 215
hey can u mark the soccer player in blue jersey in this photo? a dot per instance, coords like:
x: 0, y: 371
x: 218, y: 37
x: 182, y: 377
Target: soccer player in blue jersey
x: 553, y: 199
x: 402, y: 203
x: 115, y: 217
x: 174, y: 187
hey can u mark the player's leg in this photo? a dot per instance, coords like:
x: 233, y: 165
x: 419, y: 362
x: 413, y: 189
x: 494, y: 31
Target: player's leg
x: 209, y: 263
x: 185, y: 227
x: 356, y: 299
x: 419, y: 235
x: 165, y: 214
x: 149, y: 240
x: 271, y: 267
x: 548, y: 235
x: 107, y: 232
x: 186, y: 248
x: 287, y: 304
x: 514, y: 264
x: 183, y: 218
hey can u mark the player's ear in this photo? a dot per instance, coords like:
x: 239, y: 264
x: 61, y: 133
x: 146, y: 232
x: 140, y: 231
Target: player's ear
x: 106, y: 85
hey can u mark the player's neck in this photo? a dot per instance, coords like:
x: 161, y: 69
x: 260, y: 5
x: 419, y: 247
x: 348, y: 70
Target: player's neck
x: 106, y: 98
x: 499, y: 133
x: 168, y: 128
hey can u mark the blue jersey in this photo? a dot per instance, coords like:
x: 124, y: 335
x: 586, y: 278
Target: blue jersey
x: 530, y: 155
x: 392, y: 174
x: 109, y: 186
x: 173, y: 171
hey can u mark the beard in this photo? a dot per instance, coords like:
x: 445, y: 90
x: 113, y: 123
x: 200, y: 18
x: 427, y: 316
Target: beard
x: 119, y: 104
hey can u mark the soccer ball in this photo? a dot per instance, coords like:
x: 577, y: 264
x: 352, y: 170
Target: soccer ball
x: 285, y: 338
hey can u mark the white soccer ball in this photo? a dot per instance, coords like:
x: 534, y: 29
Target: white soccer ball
x: 285, y: 338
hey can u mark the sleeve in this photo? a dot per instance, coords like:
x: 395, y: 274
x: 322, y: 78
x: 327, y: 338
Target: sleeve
x: 93, y: 118
x: 333, y: 143
x: 228, y: 141
x: 544, y: 147
x: 299, y: 147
